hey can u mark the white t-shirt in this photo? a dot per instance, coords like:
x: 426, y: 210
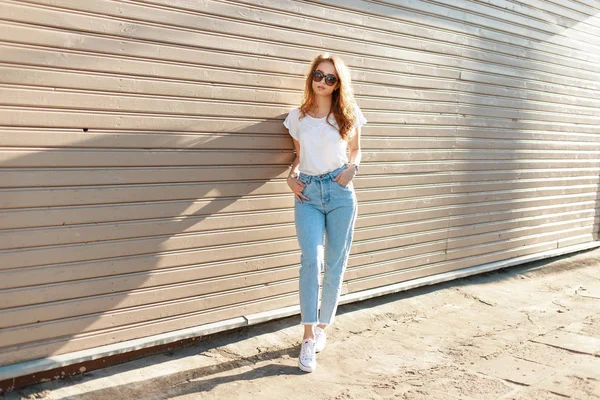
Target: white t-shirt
x: 322, y: 149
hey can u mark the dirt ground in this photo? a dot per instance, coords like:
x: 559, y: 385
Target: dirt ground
x: 526, y: 332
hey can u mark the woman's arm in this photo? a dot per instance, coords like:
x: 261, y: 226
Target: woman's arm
x: 292, y: 179
x: 355, y: 154
x: 354, y: 158
x: 294, y: 170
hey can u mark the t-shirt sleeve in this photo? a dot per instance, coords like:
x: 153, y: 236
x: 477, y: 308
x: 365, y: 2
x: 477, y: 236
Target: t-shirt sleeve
x: 360, y: 118
x: 291, y: 122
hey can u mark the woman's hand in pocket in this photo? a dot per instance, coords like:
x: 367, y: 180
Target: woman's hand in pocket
x: 345, y: 177
x: 297, y: 187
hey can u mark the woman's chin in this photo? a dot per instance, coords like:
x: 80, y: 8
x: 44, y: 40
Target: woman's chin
x: 322, y: 93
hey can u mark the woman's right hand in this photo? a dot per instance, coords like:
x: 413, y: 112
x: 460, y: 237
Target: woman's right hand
x: 297, y: 187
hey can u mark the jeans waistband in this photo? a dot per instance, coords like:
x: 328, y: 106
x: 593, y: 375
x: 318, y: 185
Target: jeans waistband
x: 328, y: 175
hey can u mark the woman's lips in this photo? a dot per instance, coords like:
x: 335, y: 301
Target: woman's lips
x: 321, y: 87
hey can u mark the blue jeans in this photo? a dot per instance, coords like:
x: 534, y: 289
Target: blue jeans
x: 324, y: 225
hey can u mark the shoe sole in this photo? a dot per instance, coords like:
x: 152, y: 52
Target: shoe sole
x: 305, y: 368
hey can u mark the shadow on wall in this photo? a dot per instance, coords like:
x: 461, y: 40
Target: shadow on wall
x: 130, y: 234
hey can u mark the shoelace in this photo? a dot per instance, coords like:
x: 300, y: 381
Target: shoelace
x: 318, y: 334
x: 306, y: 351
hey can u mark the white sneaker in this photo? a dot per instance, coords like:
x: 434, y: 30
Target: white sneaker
x: 320, y: 339
x: 307, y: 361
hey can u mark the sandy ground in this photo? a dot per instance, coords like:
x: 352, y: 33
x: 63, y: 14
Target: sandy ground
x: 526, y: 332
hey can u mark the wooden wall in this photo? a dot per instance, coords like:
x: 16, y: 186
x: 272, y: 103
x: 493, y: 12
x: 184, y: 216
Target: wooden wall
x: 143, y: 157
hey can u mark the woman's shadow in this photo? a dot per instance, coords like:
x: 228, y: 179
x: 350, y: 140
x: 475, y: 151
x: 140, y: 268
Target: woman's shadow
x: 125, y: 235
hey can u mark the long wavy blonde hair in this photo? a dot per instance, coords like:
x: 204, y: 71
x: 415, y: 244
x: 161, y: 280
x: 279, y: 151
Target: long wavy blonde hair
x: 342, y: 99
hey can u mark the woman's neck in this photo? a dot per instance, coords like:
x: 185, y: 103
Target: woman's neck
x: 322, y: 106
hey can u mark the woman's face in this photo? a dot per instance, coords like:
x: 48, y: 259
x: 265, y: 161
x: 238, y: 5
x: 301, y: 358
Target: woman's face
x: 321, y: 88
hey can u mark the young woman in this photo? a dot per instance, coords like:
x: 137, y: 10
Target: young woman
x: 326, y: 134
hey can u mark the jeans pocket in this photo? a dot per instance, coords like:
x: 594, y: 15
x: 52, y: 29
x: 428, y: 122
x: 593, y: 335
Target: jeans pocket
x: 346, y: 187
x: 303, y: 178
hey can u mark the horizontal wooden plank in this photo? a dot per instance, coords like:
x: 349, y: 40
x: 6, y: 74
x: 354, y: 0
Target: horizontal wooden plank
x: 165, y: 140
x: 488, y: 82
x: 78, y: 121
x: 152, y: 246
x: 95, y: 158
x: 273, y: 135
x: 392, y: 229
x: 374, y: 214
x: 65, y: 282
x: 589, y: 7
x: 485, y: 220
x: 42, y: 289
x: 136, y: 297
x: 458, y: 21
x: 523, y: 94
x: 524, y: 113
x: 202, y: 208
x: 381, y: 122
x: 575, y: 240
x: 519, y: 229
x: 70, y: 343
x: 520, y: 134
x: 381, y: 274
x: 135, y: 75
x: 401, y: 186
x: 559, y: 26
x: 18, y: 96
x: 460, y: 222
x: 73, y: 119
x: 340, y: 23
x: 47, y: 293
x: 548, y: 24
x: 429, y: 264
x: 481, y: 225
x: 501, y: 245
x: 102, y: 176
x: 192, y: 86
x: 221, y: 212
x: 210, y: 247
x: 397, y: 194
x: 417, y: 138
x: 184, y: 51
x: 525, y: 124
x: 125, y: 84
x: 22, y: 139
x: 404, y: 21
x: 189, y: 34
x: 57, y: 157
x: 481, y: 209
x: 571, y: 12
x: 34, y: 177
x: 559, y: 105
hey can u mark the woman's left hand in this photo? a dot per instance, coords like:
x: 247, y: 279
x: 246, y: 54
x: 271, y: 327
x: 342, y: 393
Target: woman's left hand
x: 344, y: 177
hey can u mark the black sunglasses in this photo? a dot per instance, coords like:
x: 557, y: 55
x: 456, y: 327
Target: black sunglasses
x: 318, y: 76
